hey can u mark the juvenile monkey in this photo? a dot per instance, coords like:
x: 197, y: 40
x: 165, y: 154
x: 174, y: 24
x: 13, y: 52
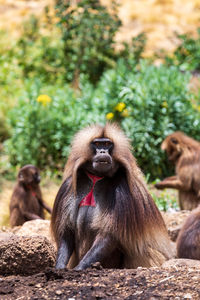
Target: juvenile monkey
x: 26, y: 201
x: 184, y: 153
x: 103, y: 211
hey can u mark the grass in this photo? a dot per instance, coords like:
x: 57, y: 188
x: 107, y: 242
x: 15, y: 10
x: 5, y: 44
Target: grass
x: 166, y: 200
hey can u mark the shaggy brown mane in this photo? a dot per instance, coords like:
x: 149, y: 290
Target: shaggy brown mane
x: 132, y: 217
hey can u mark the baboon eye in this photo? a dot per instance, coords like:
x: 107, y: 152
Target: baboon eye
x: 174, y: 141
x: 97, y: 144
x: 107, y: 144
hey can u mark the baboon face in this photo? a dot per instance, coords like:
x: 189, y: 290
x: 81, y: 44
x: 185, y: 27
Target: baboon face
x: 102, y: 162
x: 172, y: 147
x: 29, y: 174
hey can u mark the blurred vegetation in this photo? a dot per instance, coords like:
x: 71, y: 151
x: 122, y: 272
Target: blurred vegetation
x: 66, y: 72
x: 88, y: 32
x: 149, y: 102
x: 187, y: 54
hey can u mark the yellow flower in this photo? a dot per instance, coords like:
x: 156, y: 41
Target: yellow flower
x: 110, y: 116
x: 120, y: 106
x: 164, y: 104
x: 44, y: 99
x: 196, y: 107
x: 125, y: 113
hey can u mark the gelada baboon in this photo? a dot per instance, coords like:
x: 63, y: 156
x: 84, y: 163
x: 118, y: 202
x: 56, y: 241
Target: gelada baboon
x: 188, y: 241
x: 26, y: 202
x: 184, y: 153
x: 103, y: 212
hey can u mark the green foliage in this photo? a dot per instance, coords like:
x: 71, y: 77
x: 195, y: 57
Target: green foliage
x: 82, y: 43
x: 149, y: 103
x: 158, y: 102
x: 165, y: 201
x: 132, y: 52
x: 39, y: 54
x: 41, y: 132
x: 187, y: 54
x: 88, y: 32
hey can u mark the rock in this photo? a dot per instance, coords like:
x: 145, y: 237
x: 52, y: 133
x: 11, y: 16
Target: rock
x: 21, y: 255
x: 174, y: 222
x: 179, y: 262
x: 35, y: 228
x: 173, y: 232
x: 6, y: 235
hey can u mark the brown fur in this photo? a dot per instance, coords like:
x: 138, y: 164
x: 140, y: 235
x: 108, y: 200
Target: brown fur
x: 184, y: 152
x: 26, y: 201
x: 135, y: 223
x: 188, y: 242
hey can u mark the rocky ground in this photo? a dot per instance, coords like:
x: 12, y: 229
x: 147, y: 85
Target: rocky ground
x: 27, y: 257
x: 178, y: 282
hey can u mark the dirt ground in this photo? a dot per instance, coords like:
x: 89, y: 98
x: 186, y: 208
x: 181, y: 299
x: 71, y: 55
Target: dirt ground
x: 155, y: 283
x: 178, y: 282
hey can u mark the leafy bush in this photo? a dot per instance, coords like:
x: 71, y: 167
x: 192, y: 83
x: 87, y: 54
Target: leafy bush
x: 149, y: 103
x: 88, y: 31
x: 187, y: 54
x: 42, y: 126
x: 166, y: 200
x: 82, y: 43
x: 158, y: 102
x: 38, y: 53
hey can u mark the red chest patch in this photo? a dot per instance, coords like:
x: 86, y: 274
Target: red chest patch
x: 32, y: 192
x: 88, y: 200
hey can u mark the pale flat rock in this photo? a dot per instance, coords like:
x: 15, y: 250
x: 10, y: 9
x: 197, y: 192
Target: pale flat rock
x: 35, y: 228
x: 174, y: 221
x: 180, y: 262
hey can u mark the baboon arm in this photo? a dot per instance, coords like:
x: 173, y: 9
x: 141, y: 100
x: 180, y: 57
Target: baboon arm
x: 100, y: 249
x: 171, y: 182
x: 48, y: 208
x: 30, y: 216
x: 171, y: 178
x: 65, y: 250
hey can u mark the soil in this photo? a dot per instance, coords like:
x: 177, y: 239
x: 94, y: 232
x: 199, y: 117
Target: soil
x: 154, y: 283
x: 174, y: 281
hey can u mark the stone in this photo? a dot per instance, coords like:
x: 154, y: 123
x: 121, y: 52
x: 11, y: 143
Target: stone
x: 25, y: 255
x: 179, y: 262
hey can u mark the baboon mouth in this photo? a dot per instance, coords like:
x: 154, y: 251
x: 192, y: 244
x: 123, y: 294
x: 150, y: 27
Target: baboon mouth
x: 102, y: 165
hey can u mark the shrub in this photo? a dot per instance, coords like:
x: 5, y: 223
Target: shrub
x: 149, y: 103
x: 156, y: 103
x: 39, y: 53
x: 82, y: 43
x: 187, y: 54
x: 88, y: 31
x: 42, y: 126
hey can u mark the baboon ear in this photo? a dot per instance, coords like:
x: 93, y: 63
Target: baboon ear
x: 174, y: 140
